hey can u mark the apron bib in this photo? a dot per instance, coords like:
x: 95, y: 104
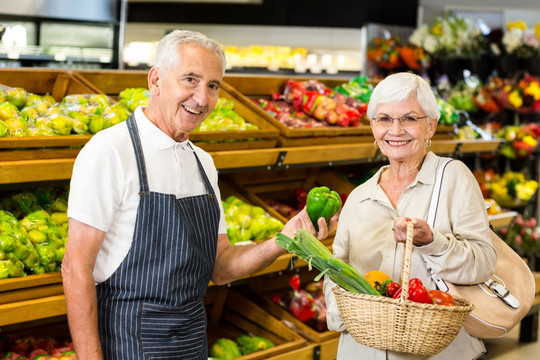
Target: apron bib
x: 151, y: 307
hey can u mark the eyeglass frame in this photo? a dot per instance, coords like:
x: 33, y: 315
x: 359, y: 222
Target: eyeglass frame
x: 398, y: 119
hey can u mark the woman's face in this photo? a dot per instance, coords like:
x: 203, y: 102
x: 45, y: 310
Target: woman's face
x: 402, y: 141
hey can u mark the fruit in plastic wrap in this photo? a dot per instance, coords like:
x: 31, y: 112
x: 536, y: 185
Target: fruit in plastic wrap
x: 16, y: 127
x: 133, y: 97
x: 223, y: 117
x: 19, y: 248
x: 225, y: 349
x: 246, y: 222
x: 17, y: 96
x: 250, y: 344
x: 8, y: 111
x: 48, y: 238
x: 4, y: 129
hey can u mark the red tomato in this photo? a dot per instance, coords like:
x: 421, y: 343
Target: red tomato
x: 441, y: 297
x: 392, y: 288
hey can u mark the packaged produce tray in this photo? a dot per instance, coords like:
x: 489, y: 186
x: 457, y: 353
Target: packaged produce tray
x: 57, y: 83
x: 112, y: 82
x: 257, y: 86
x: 231, y: 314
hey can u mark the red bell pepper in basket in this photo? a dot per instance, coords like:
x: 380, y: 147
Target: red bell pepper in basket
x: 417, y: 292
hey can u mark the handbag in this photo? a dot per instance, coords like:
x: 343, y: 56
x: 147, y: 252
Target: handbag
x: 504, y: 299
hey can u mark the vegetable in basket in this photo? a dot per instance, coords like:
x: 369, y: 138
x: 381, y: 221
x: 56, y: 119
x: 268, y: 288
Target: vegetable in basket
x: 417, y: 292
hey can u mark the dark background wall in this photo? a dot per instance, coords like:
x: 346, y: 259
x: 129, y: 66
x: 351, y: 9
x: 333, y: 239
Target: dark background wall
x: 320, y: 13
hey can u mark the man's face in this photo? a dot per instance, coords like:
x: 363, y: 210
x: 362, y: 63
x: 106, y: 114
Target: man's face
x: 188, y: 92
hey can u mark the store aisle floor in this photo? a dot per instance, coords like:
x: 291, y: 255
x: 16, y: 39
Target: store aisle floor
x: 509, y: 348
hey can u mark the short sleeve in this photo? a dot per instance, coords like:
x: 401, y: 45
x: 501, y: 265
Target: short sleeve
x: 96, y: 185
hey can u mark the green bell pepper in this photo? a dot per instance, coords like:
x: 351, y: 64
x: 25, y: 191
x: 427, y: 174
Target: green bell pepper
x: 322, y: 202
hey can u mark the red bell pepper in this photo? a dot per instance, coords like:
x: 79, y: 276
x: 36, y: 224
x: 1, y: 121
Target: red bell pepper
x: 441, y: 297
x: 417, y: 292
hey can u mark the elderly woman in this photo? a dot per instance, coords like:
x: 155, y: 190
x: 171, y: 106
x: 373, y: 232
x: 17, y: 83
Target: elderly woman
x: 373, y: 222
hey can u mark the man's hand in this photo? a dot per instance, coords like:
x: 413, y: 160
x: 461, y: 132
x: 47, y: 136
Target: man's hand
x: 302, y: 221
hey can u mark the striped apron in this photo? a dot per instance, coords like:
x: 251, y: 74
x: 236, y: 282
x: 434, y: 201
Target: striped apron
x: 151, y: 307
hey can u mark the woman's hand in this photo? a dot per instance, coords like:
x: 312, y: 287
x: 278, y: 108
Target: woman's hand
x: 422, y: 234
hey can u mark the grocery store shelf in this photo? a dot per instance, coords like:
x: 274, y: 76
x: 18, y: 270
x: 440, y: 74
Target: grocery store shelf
x: 43, y: 141
x: 30, y: 310
x: 12, y: 172
x: 333, y: 154
x: 43, y: 162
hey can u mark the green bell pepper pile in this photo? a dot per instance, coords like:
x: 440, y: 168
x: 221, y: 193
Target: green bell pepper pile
x: 322, y: 202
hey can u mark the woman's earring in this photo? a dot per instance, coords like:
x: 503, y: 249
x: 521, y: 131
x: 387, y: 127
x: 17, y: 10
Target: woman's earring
x: 427, y: 143
x: 375, y: 144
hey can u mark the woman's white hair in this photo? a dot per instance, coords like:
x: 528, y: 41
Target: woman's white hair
x: 398, y: 87
x: 167, y: 49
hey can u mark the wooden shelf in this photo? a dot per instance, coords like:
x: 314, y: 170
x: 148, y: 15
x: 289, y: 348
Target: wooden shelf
x: 503, y: 219
x: 22, y: 171
x: 46, y: 164
x: 30, y: 310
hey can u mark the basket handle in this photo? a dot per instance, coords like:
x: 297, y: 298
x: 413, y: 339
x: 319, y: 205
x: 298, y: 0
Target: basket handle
x: 406, y: 264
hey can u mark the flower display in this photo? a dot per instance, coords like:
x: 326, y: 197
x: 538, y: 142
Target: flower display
x: 520, y: 141
x: 522, y: 95
x: 512, y: 189
x: 450, y: 36
x: 391, y: 53
x: 520, y: 41
x: 522, y: 235
x: 385, y: 52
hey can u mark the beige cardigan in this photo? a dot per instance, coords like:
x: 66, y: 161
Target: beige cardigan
x: 461, y: 251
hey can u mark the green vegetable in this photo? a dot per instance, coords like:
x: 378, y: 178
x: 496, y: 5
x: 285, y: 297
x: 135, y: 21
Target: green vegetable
x: 322, y: 202
x: 225, y: 349
x: 308, y: 248
x: 251, y: 344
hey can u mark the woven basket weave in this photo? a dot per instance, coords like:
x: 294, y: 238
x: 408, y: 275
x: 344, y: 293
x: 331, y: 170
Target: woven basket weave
x: 399, y: 324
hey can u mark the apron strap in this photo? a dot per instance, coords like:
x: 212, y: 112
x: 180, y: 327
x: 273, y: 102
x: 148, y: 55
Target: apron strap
x: 136, y: 141
x: 141, y: 166
x: 209, y: 187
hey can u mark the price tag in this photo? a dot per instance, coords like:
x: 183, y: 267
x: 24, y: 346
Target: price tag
x: 13, y: 55
x: 60, y: 57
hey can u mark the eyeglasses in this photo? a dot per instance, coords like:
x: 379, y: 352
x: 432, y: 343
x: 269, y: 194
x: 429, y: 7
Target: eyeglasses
x: 405, y: 120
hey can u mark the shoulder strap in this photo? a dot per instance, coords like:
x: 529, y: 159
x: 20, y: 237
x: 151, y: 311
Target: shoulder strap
x: 436, y: 192
x: 432, y: 212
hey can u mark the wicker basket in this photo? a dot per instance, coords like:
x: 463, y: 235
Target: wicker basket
x: 399, y: 324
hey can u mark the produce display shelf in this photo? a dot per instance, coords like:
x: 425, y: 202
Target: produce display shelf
x: 22, y: 171
x: 41, y: 81
x: 112, y: 82
x: 41, y: 147
x: 327, y: 341
x: 33, y: 309
x: 231, y: 314
x: 478, y: 146
x: 250, y: 87
x: 57, y: 164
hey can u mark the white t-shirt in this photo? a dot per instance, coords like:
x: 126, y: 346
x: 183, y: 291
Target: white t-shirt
x: 104, y: 188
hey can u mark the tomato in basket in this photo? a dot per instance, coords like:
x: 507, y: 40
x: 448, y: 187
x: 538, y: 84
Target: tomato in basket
x: 441, y: 297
